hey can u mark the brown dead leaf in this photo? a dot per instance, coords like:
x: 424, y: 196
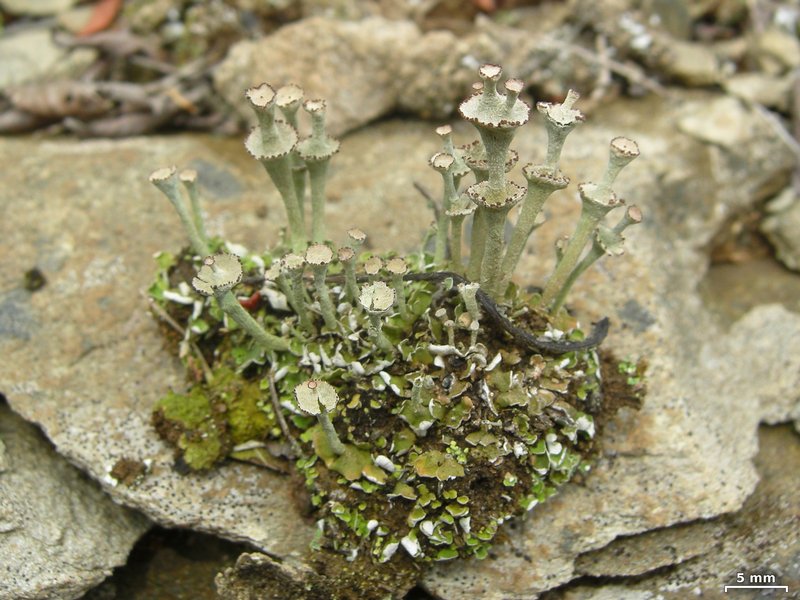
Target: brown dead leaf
x: 103, y: 15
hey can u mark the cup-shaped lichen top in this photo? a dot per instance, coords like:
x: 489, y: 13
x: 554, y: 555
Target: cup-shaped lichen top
x: 272, y: 138
x: 490, y: 108
x: 460, y: 168
x: 496, y: 116
x: 314, y: 396
x: 539, y: 175
x: 496, y: 203
x: 560, y: 119
x: 373, y: 266
x: 293, y: 262
x: 318, y: 398
x: 345, y: 254
x: 483, y: 195
x: 319, y: 255
x: 377, y: 298
x: 441, y: 162
x: 219, y: 274
x: 633, y: 216
x: 462, y: 207
x: 597, y: 201
x: 397, y: 266
x: 319, y: 145
x: 166, y: 180
x: 357, y: 238
x: 474, y: 156
x: 622, y: 151
x: 288, y: 99
x: 609, y: 241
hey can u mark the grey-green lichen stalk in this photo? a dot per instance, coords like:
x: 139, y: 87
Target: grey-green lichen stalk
x: 422, y: 398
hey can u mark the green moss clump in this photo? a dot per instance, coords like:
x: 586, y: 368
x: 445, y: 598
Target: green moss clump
x: 211, y: 420
x: 246, y: 415
x: 187, y: 421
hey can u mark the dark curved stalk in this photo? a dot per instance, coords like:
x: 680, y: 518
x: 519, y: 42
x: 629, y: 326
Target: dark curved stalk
x: 522, y: 337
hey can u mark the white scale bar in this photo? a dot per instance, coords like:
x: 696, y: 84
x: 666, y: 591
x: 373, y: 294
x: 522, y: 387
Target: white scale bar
x: 785, y: 588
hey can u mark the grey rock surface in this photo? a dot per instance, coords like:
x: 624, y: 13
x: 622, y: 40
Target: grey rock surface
x: 60, y: 535
x: 91, y: 374
x: 731, y: 290
x: 762, y: 539
x: 27, y: 55
x: 638, y: 554
x: 782, y: 227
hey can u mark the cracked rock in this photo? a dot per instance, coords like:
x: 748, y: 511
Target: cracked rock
x: 761, y: 539
x: 59, y: 534
x: 782, y: 226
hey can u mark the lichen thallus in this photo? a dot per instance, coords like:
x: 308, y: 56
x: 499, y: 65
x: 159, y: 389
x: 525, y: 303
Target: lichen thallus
x: 407, y: 377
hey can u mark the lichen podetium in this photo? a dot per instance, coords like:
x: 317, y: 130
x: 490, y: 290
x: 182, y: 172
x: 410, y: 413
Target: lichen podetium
x: 423, y: 400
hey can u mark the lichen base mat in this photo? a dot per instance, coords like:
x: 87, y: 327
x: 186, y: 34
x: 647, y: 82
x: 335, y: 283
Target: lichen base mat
x: 444, y: 439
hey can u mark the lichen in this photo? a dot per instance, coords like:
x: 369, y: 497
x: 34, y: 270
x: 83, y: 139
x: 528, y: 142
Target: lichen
x: 423, y: 401
x: 208, y: 423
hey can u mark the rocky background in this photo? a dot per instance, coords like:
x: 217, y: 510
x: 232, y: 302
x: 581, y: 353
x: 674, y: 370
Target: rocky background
x: 698, y: 486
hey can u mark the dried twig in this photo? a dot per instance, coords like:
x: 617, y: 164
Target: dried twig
x: 429, y: 199
x: 276, y: 406
x: 208, y: 374
x: 628, y: 71
x: 604, y: 76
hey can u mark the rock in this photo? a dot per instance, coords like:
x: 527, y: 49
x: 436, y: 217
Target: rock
x: 94, y: 364
x: 31, y: 55
x: 690, y: 63
x: 652, y: 550
x: 775, y: 50
x: 27, y: 55
x: 273, y: 580
x: 724, y: 123
x: 634, y: 555
x: 39, y: 8
x: 732, y: 290
x: 59, y: 534
x: 738, y: 135
x: 761, y: 539
x: 353, y: 10
x: 782, y: 227
x: 259, y: 577
x: 320, y: 55
x: 399, y: 68
x: 772, y: 92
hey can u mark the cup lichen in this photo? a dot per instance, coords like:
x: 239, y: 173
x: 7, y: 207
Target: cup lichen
x: 424, y: 400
